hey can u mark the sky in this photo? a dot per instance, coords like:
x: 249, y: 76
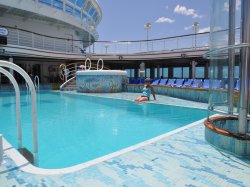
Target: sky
x: 125, y: 19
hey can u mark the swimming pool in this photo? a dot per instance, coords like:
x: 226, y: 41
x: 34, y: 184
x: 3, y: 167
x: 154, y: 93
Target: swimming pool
x: 73, y: 129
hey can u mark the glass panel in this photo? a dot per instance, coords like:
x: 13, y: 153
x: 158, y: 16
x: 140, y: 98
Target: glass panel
x: 177, y: 72
x: 165, y: 72
x: 236, y: 72
x: 200, y: 72
x: 84, y: 18
x: 69, y: 9
x: 128, y: 72
x: 77, y: 13
x: 132, y: 73
x: 92, y: 11
x: 225, y: 72
x: 72, y: 1
x: 80, y: 3
x: 185, y: 72
x: 147, y: 72
x: 58, y: 4
x: 47, y: 2
x: 156, y: 73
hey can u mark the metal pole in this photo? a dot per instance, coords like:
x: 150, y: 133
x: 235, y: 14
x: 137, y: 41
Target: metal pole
x: 89, y: 42
x: 18, y: 113
x: 245, y: 65
x: 147, y: 39
x: 231, y: 56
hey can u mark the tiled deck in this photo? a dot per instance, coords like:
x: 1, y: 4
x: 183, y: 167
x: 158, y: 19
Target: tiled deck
x: 180, y: 159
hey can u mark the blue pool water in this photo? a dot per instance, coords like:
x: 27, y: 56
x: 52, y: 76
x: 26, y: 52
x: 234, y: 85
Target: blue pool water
x: 73, y: 129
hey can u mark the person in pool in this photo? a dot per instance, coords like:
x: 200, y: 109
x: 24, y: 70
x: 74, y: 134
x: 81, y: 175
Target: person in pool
x: 146, y: 92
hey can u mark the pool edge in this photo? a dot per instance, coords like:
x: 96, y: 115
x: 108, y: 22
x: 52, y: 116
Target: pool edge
x: 26, y: 166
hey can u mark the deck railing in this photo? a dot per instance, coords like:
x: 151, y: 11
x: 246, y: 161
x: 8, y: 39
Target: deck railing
x: 189, y: 42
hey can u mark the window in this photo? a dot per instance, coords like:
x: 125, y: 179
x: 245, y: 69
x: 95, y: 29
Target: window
x: 77, y: 13
x: 147, y: 72
x: 155, y: 72
x: 84, y: 18
x: 58, y: 4
x: 69, y: 9
x: 47, y: 2
x: 200, y: 72
x: 132, y: 73
x: 165, y: 72
x: 185, y: 72
x: 178, y: 72
x: 91, y: 11
x: 128, y: 72
x: 225, y: 72
x: 72, y: 1
x: 236, y: 72
x: 80, y: 3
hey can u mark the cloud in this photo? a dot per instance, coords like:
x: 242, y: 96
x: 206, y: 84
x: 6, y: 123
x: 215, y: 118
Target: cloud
x: 226, y: 5
x: 206, y: 29
x: 186, y: 11
x: 164, y: 20
x: 188, y: 28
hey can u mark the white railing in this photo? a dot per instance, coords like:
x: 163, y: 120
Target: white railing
x: 68, y: 72
x: 168, y: 44
x: 18, y: 111
x: 33, y: 103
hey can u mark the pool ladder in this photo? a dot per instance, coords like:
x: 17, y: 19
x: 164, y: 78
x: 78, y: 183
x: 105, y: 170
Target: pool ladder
x: 32, y: 90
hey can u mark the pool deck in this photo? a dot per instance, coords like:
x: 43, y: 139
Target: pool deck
x: 181, y: 158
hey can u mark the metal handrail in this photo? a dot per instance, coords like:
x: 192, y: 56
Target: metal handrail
x: 33, y: 103
x: 98, y: 64
x: 18, y: 113
x: 68, y: 72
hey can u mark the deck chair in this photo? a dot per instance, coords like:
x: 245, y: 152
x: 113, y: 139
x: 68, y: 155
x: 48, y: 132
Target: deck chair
x: 171, y: 82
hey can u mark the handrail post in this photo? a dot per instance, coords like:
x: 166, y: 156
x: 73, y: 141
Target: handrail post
x: 18, y: 113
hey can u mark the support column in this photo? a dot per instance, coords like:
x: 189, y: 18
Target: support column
x: 193, y: 66
x: 170, y: 72
x: 245, y: 66
x: 11, y: 70
x: 158, y: 71
x: 206, y: 71
x: 231, y: 56
x: 152, y: 72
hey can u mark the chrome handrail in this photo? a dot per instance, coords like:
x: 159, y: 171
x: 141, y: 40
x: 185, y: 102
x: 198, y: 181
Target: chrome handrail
x: 33, y: 103
x: 100, y: 59
x: 18, y: 113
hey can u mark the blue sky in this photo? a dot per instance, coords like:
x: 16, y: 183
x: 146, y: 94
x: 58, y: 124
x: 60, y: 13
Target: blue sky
x: 125, y: 19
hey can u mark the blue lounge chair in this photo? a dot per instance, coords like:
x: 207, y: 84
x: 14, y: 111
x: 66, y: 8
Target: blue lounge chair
x: 171, y: 82
x: 131, y: 81
x: 179, y: 83
x: 163, y: 82
x: 205, y: 84
x: 142, y: 81
x: 216, y: 84
x: 196, y: 83
x: 187, y: 83
x: 155, y: 82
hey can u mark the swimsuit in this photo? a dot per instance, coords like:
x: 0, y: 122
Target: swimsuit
x: 146, y: 92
